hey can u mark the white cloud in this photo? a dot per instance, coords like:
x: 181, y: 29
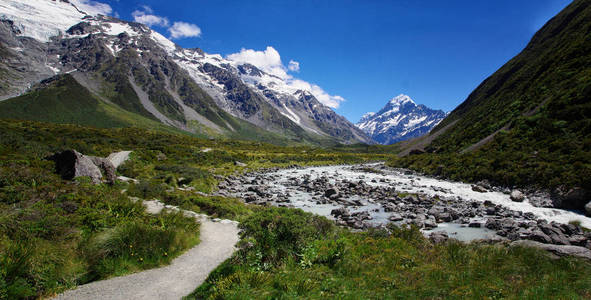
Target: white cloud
x: 146, y: 16
x: 293, y: 66
x: 325, y: 98
x: 93, y: 7
x: 182, y: 29
x: 270, y: 62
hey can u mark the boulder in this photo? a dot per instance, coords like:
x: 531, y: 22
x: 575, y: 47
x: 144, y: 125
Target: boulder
x: 118, y: 158
x: 475, y: 224
x: 517, y: 196
x: 71, y: 164
x: 430, y: 223
x: 539, y: 236
x: 438, y: 237
x: 588, y: 209
x: 395, y: 218
x: 107, y: 167
x: 331, y: 192
x: 339, y: 212
x: 479, y: 189
x: 558, y: 250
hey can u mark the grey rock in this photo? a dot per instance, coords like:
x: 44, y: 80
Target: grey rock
x: 331, y: 192
x: 240, y: 164
x: 479, y: 189
x: 106, y: 166
x: 475, y: 224
x: 339, y: 212
x: 588, y: 209
x: 540, y: 236
x: 558, y: 250
x: 517, y: 196
x: 430, y: 223
x: 395, y: 218
x: 438, y: 237
x: 71, y: 164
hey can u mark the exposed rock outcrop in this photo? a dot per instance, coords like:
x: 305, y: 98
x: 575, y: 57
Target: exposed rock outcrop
x: 71, y: 164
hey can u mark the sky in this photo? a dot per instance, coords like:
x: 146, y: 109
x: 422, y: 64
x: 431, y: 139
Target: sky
x: 356, y: 54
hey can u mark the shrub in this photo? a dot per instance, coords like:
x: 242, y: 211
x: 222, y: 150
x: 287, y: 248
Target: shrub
x: 280, y: 233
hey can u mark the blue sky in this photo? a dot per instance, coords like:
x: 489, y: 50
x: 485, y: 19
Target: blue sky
x: 365, y: 51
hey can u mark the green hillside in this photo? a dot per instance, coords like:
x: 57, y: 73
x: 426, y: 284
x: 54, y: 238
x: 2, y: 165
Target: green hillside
x: 63, y: 100
x: 535, y: 111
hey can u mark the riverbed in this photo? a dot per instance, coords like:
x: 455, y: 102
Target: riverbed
x: 365, y: 191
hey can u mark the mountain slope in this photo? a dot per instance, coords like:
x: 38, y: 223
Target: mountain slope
x: 139, y: 70
x: 61, y: 99
x: 530, y: 122
x: 401, y: 119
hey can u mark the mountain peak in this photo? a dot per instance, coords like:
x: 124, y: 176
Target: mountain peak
x: 401, y: 99
x: 400, y: 119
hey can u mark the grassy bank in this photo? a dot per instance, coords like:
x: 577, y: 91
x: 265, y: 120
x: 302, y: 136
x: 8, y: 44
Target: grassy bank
x: 55, y: 234
x: 289, y: 254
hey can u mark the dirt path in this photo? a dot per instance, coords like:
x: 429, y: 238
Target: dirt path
x: 176, y: 280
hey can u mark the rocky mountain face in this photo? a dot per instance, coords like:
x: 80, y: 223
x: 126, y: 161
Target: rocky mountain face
x: 529, y: 123
x: 401, y: 119
x: 129, y: 65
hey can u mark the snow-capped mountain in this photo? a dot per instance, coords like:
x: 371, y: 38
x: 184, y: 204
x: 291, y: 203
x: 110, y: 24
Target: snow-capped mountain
x: 401, y: 119
x: 130, y: 65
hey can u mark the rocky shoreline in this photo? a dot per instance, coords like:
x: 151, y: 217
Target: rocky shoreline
x: 373, y: 198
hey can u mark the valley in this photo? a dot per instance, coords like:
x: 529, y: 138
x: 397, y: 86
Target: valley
x: 132, y: 167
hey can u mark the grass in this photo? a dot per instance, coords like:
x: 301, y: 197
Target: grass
x: 56, y: 234
x: 288, y: 254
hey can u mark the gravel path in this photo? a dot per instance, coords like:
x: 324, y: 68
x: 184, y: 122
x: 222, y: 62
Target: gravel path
x: 176, y: 280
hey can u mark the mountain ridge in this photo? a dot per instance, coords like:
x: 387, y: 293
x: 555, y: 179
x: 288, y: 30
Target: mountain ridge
x: 529, y: 123
x: 400, y: 119
x: 130, y: 65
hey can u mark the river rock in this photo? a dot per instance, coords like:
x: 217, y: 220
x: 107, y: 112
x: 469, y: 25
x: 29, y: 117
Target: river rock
x: 517, y: 196
x: 588, y: 209
x: 479, y: 189
x: 438, y: 237
x: 331, y: 192
x: 339, y: 212
x: 540, y: 236
x: 558, y: 250
x: 430, y: 223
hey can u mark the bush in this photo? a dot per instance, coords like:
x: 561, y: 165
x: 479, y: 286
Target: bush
x: 279, y: 233
x: 135, y: 245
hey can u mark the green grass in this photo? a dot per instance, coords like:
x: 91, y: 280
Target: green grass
x: 56, y: 234
x: 287, y: 254
x: 65, y: 101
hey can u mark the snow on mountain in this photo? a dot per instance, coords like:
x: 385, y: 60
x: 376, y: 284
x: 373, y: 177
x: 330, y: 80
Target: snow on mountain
x: 401, y: 119
x: 41, y: 19
x: 66, y: 32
